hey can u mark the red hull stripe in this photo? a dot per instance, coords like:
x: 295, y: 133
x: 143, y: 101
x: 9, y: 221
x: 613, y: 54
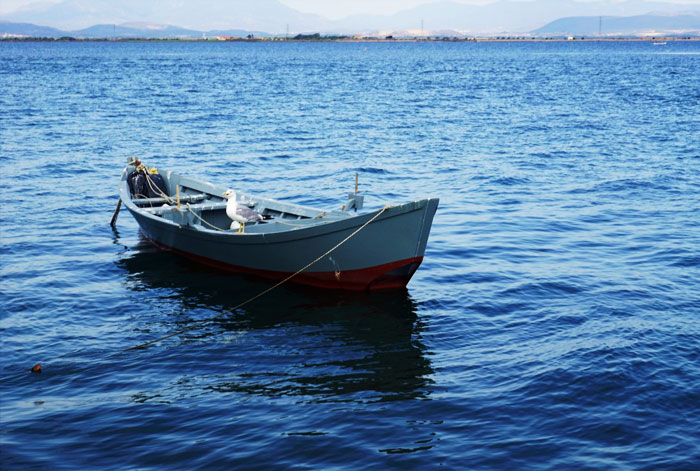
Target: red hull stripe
x: 387, y: 276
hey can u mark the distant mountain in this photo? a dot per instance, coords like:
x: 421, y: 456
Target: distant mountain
x: 126, y: 31
x: 28, y: 29
x: 501, y: 16
x: 624, y: 26
x: 273, y: 16
x: 136, y: 18
x: 260, y: 15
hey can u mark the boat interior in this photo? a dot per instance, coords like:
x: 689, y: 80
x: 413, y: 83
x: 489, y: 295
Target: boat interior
x: 202, y: 206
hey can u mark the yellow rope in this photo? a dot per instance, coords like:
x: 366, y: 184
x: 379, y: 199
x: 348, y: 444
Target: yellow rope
x: 262, y: 293
x: 154, y: 188
x: 170, y: 200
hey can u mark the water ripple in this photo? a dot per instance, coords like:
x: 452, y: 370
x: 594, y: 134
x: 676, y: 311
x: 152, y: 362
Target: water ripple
x: 552, y: 324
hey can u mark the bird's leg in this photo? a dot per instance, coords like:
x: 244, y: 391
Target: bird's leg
x: 241, y: 228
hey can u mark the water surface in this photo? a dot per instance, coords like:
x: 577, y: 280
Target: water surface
x: 554, y: 323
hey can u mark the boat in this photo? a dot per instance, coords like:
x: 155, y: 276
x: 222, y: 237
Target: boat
x: 341, y: 249
x: 659, y: 43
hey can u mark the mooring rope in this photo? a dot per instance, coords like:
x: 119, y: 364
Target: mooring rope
x: 264, y: 292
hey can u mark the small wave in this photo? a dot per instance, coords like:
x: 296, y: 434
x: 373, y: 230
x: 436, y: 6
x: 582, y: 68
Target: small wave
x: 540, y: 289
x: 269, y: 158
x: 687, y: 262
x: 373, y: 170
x: 510, y: 181
x: 627, y: 184
x: 498, y: 309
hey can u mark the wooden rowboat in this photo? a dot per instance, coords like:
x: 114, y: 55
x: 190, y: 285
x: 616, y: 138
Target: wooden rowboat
x: 380, y: 249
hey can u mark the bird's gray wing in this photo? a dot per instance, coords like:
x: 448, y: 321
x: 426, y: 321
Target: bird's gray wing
x: 248, y: 214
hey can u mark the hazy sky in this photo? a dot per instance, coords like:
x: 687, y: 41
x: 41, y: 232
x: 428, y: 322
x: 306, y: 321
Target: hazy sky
x: 333, y: 9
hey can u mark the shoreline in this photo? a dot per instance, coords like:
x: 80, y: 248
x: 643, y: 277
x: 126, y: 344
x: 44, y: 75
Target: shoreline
x: 359, y: 40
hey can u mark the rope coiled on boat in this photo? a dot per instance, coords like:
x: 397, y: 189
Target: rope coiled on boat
x: 170, y: 200
x: 264, y: 292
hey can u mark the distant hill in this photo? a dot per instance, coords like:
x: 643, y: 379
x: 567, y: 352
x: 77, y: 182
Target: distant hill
x: 497, y: 16
x: 501, y: 16
x: 126, y: 31
x: 28, y: 29
x: 631, y: 26
x: 258, y: 15
x: 624, y: 26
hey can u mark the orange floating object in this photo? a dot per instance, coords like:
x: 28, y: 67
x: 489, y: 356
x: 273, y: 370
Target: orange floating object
x: 36, y: 368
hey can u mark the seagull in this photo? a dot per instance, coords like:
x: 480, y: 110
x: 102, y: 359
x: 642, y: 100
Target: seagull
x: 240, y: 214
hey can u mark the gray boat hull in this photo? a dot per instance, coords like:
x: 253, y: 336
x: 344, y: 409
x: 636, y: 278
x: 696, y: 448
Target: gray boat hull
x: 383, y: 255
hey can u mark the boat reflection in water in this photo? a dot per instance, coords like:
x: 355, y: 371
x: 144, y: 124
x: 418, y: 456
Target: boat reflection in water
x: 293, y: 341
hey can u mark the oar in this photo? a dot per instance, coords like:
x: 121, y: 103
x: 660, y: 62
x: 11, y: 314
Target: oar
x: 116, y: 213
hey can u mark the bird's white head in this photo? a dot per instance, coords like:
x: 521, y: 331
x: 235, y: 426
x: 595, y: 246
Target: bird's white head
x: 229, y: 195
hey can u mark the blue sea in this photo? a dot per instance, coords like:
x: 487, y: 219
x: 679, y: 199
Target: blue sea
x: 553, y: 325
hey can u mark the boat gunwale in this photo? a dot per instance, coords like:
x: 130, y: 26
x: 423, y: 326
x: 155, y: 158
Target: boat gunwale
x: 310, y: 231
